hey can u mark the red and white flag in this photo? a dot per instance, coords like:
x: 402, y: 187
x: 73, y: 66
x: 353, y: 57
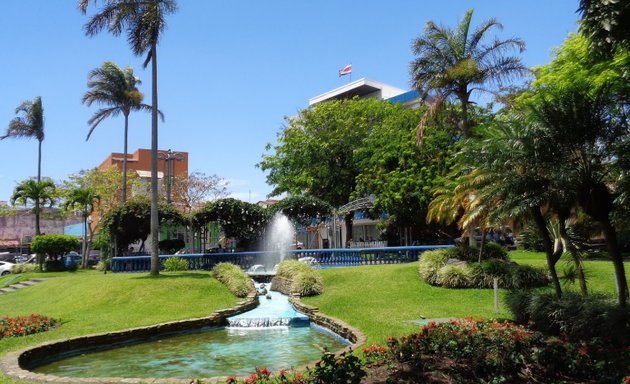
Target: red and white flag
x: 346, y: 70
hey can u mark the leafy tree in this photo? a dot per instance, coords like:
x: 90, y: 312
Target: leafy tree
x: 131, y: 221
x: 115, y: 88
x: 400, y: 173
x: 38, y: 192
x: 84, y: 201
x: 315, y: 153
x: 606, y: 24
x: 302, y: 209
x: 30, y: 125
x: 238, y: 219
x: 106, y: 184
x: 452, y: 64
x: 581, y: 107
x: 54, y: 246
x: 144, y: 21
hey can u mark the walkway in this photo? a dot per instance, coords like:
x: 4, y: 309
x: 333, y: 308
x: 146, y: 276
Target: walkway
x: 22, y: 284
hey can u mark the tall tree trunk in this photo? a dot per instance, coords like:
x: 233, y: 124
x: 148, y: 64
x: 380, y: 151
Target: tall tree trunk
x: 610, y: 234
x: 462, y: 95
x: 552, y: 258
x: 483, y: 244
x: 155, y: 222
x: 124, y: 175
x: 84, y: 250
x: 568, y: 245
x: 348, y: 222
x: 39, y: 161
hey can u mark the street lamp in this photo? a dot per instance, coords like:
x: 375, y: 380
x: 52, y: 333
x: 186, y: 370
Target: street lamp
x: 169, y: 157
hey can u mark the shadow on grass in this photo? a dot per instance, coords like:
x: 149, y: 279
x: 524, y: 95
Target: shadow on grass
x: 175, y: 275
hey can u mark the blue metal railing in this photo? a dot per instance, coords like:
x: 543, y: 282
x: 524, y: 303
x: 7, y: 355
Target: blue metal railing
x: 336, y: 257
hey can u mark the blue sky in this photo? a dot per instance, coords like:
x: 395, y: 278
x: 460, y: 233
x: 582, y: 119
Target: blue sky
x: 229, y: 71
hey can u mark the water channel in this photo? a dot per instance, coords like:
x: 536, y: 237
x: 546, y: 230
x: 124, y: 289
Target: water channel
x: 273, y: 335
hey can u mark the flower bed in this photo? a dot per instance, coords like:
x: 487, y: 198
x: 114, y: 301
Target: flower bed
x: 469, y: 351
x: 25, y: 325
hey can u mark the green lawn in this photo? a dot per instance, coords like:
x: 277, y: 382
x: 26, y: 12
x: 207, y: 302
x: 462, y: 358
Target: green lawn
x: 379, y: 300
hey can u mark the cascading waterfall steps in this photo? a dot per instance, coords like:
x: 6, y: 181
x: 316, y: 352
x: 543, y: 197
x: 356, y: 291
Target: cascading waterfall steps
x: 274, y: 310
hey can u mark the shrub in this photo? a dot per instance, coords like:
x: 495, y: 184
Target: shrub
x: 492, y: 250
x: 494, y: 352
x: 308, y: 283
x: 25, y: 325
x: 580, y: 318
x: 288, y: 269
x: 170, y: 246
x: 430, y: 262
x: 342, y: 369
x: 105, y: 264
x: 304, y: 279
x: 454, y: 276
x: 530, y: 239
x: 526, y: 276
x: 174, y: 264
x: 233, y: 278
x: 54, y: 245
x: 24, y: 268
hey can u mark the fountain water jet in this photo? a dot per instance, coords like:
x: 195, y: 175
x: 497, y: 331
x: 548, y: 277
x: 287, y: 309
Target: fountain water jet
x: 279, y: 239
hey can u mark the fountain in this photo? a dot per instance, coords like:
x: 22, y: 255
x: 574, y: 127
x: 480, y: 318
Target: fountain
x: 279, y: 239
x: 273, y: 335
x: 275, y: 311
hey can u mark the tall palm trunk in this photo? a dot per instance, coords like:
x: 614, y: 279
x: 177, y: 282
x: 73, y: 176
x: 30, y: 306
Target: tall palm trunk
x: 610, y: 234
x: 155, y: 223
x: 568, y: 246
x: 552, y: 258
x: 84, y: 247
x: 39, y: 161
x: 124, y: 175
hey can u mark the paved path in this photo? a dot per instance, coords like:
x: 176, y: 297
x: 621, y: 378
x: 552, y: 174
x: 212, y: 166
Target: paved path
x: 22, y: 284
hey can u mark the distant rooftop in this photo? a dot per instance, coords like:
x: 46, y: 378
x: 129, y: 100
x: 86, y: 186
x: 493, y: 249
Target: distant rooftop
x: 362, y: 88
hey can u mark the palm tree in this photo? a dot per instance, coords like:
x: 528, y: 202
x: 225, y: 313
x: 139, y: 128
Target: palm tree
x: 83, y: 200
x: 452, y: 64
x: 144, y: 21
x: 31, y: 124
x: 39, y: 192
x: 116, y: 88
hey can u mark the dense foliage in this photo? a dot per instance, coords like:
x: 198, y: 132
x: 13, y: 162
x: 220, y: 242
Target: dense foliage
x: 130, y: 222
x: 470, y: 351
x: 239, y: 220
x: 455, y: 268
x: 579, y: 318
x: 54, y: 245
x: 302, y: 209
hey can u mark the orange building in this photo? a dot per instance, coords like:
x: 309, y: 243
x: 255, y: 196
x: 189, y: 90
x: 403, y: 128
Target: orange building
x: 140, y: 161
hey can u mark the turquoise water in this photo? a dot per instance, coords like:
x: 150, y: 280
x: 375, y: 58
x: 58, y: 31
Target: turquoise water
x: 220, y: 352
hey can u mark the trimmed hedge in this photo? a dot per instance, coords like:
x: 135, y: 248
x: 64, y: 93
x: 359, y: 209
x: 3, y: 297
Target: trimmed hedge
x: 233, y: 278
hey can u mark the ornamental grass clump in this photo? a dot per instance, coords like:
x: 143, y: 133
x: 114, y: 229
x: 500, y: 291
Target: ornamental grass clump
x: 304, y: 279
x: 429, y: 264
x: 233, y: 278
x: 25, y: 325
x: 452, y: 268
x: 174, y: 264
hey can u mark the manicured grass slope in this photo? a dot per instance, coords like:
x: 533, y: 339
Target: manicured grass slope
x: 90, y: 302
